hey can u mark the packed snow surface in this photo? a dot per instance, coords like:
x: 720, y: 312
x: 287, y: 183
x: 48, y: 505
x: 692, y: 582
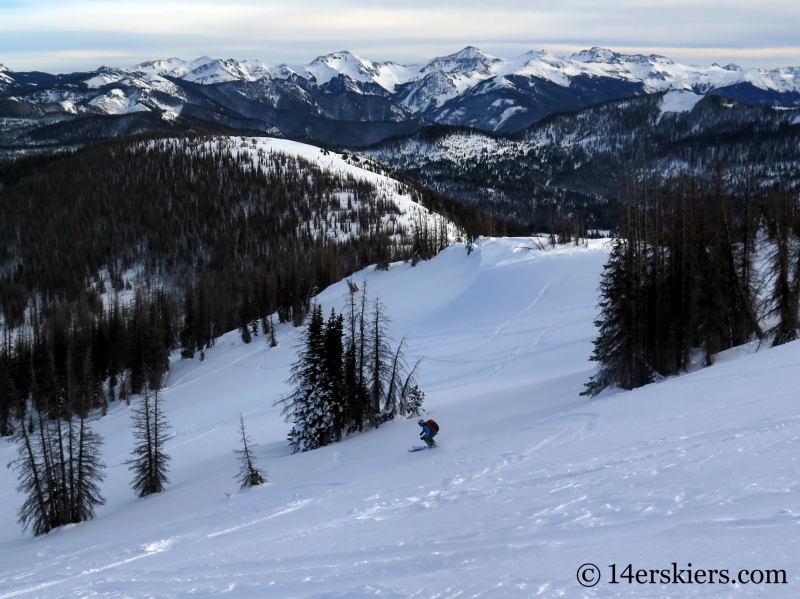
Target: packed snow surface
x: 530, y: 480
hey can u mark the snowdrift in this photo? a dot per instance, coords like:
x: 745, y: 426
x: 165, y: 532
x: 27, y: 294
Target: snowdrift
x: 530, y: 480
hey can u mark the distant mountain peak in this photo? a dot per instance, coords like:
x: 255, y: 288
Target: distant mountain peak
x: 728, y: 67
x: 340, y: 55
x: 471, y: 52
x: 595, y: 54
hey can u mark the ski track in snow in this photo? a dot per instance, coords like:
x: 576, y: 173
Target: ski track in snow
x: 530, y: 480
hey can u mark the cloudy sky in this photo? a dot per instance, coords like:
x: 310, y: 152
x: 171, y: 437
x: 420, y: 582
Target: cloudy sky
x: 65, y: 35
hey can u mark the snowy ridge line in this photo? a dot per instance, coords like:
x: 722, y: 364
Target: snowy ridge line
x: 447, y: 89
x: 410, y: 214
x: 462, y: 71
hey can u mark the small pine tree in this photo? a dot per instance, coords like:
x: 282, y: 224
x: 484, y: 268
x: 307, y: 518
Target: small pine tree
x: 245, y: 331
x: 149, y: 461
x: 413, y: 401
x: 411, y: 397
x: 255, y: 326
x: 249, y: 474
x: 87, y: 473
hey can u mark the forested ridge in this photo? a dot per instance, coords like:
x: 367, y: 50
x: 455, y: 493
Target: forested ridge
x: 573, y: 164
x: 115, y: 255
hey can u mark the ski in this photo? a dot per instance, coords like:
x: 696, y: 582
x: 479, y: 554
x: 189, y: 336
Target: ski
x: 417, y: 448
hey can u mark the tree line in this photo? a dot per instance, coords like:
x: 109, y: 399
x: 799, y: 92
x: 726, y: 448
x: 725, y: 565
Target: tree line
x: 695, y: 268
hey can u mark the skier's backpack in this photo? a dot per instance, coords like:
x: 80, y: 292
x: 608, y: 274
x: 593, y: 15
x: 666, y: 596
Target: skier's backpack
x: 433, y: 426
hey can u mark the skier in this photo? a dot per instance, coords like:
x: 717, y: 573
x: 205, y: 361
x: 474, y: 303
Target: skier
x: 429, y: 430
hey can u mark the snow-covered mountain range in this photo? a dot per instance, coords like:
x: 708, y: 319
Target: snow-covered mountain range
x: 342, y: 98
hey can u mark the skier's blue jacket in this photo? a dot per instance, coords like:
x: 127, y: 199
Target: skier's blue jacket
x: 426, y: 431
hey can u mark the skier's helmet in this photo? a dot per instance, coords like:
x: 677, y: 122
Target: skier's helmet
x: 421, y: 421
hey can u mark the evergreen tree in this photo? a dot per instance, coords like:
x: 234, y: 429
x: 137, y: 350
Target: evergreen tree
x: 244, y: 329
x: 87, y: 473
x: 273, y: 342
x: 245, y: 333
x: 149, y: 460
x: 249, y: 474
x: 306, y: 407
x: 333, y: 399
x: 411, y: 397
x: 413, y: 401
x: 614, y: 347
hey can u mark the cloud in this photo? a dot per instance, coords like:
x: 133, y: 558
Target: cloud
x: 69, y: 35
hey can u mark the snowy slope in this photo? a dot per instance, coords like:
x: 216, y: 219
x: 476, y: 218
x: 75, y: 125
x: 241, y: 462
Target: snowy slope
x: 530, y: 480
x: 679, y: 101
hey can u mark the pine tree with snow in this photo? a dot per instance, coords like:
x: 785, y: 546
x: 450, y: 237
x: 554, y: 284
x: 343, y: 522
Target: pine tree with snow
x: 149, y: 460
x: 307, y: 406
x: 413, y: 400
x: 249, y: 474
x: 255, y: 327
x: 332, y: 381
x: 411, y: 397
